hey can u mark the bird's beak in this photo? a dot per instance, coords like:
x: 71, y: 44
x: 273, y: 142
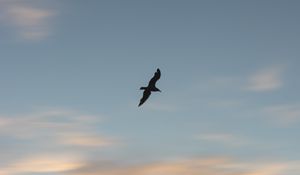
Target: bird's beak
x: 159, y: 90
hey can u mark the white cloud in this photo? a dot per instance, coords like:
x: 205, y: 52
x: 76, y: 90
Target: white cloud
x: 266, y: 79
x: 30, y: 22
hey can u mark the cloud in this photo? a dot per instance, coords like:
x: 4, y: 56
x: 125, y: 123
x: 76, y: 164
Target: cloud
x: 51, y: 131
x: 266, y: 79
x: 25, y: 138
x: 284, y: 115
x: 43, y: 164
x: 74, y: 165
x: 222, y: 138
x: 71, y: 165
x: 62, y: 126
x: 178, y: 167
x: 30, y: 22
x: 86, y: 140
x: 71, y: 137
x: 191, y: 166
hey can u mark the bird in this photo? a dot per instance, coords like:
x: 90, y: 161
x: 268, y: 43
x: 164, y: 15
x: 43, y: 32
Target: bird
x: 151, y: 87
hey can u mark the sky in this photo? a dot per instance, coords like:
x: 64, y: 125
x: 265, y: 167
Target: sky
x: 71, y: 71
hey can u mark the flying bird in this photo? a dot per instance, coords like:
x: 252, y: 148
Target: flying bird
x: 151, y: 87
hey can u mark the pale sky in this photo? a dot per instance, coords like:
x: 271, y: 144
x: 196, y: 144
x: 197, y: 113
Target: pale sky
x: 71, y: 71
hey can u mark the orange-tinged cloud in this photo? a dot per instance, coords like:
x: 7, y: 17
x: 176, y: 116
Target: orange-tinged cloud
x: 79, y: 139
x: 205, y: 166
x: 43, y: 164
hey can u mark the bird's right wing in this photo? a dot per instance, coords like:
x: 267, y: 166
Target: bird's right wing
x: 146, y: 95
x: 154, y: 78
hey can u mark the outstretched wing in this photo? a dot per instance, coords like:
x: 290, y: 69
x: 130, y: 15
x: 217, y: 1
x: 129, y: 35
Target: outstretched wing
x: 146, y: 95
x: 154, y: 78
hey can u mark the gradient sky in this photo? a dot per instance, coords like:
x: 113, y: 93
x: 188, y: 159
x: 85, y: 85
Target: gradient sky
x: 71, y: 70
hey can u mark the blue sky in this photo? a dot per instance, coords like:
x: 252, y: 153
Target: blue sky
x: 70, y: 74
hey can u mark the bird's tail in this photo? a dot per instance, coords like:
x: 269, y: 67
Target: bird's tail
x: 142, y: 88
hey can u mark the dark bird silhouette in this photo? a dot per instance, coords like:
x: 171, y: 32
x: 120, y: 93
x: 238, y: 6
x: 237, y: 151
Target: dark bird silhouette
x: 151, y: 87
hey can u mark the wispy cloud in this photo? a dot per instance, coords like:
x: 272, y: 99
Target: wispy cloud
x: 30, y: 22
x: 266, y: 79
x: 207, y: 166
x: 63, y: 126
x: 68, y: 164
x: 86, y: 140
x: 28, y: 137
x: 177, y: 167
x: 67, y: 129
x: 262, y: 80
x: 222, y: 138
x: 283, y: 115
x: 43, y: 164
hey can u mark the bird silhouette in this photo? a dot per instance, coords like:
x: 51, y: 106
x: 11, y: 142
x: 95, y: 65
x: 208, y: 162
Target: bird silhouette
x: 150, y: 88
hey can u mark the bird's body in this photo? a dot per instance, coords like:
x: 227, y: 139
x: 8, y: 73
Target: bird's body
x: 150, y: 88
